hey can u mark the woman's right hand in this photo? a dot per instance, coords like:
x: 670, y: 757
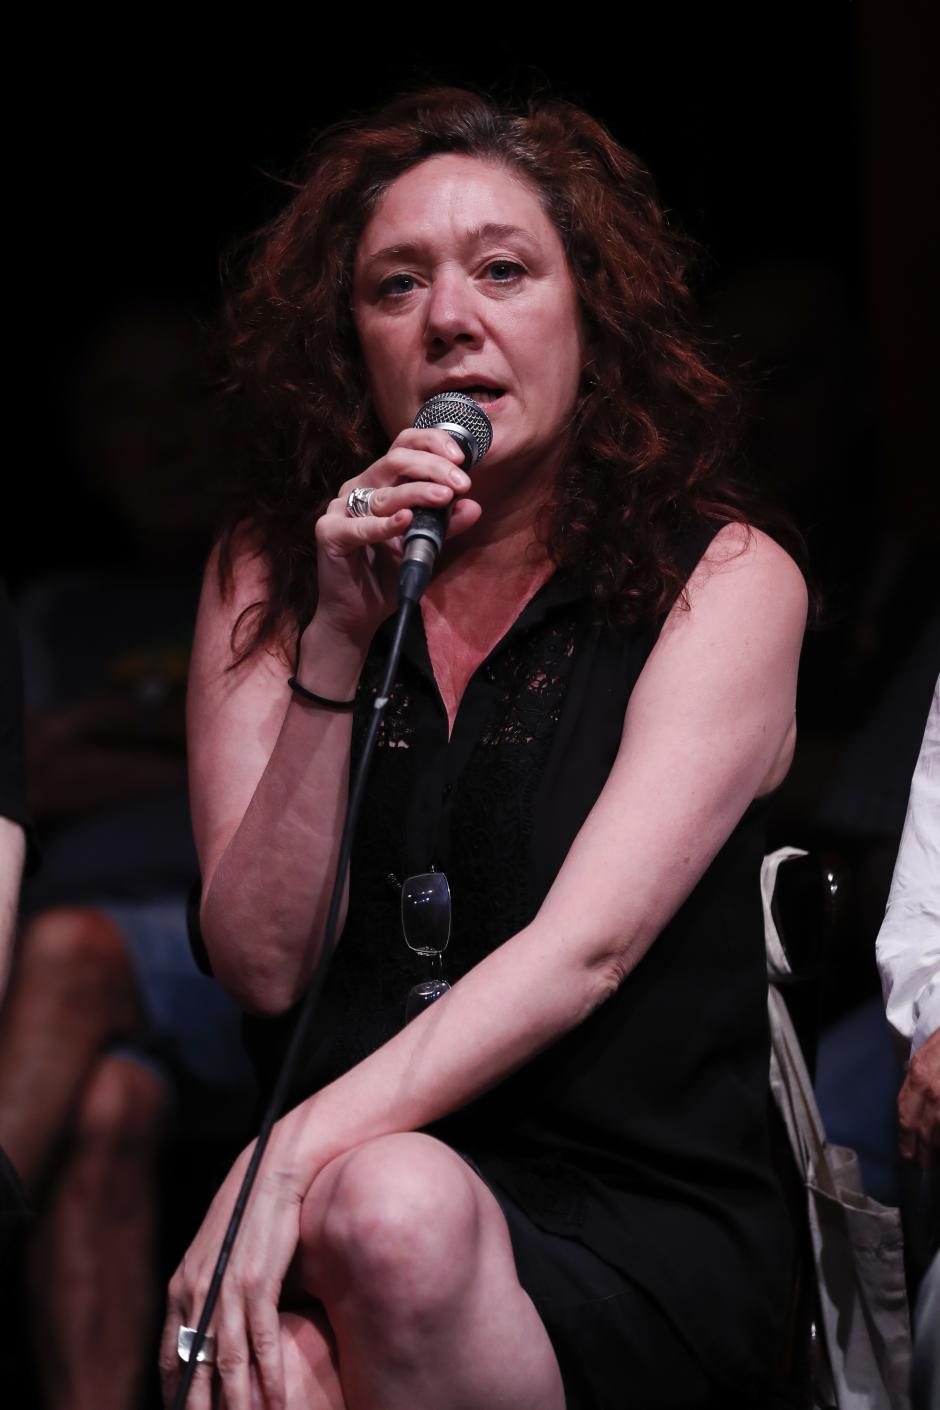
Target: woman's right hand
x: 357, y: 559
x: 245, y: 1323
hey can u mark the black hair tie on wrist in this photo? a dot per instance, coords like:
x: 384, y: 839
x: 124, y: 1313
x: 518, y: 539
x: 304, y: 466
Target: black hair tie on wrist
x: 306, y: 694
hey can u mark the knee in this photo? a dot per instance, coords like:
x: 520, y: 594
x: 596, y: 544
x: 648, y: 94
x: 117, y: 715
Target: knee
x: 395, y: 1226
x: 73, y: 959
x: 68, y: 942
x: 122, y: 1109
x: 110, y: 1161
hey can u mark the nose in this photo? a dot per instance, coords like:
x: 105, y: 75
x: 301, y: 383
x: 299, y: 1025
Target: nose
x: 453, y: 316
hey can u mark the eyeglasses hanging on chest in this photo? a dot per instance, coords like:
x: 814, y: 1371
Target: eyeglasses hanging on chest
x: 425, y: 924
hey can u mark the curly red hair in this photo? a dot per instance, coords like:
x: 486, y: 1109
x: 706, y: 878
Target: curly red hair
x: 654, y: 434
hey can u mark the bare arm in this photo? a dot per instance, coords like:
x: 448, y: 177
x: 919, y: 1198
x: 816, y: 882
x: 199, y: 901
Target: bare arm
x: 268, y: 778
x: 710, y: 726
x: 12, y: 853
x: 268, y: 772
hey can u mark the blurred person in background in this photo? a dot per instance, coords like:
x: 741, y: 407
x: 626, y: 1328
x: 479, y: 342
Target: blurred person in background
x: 795, y: 329
x: 108, y: 1024
x: 908, y: 951
x: 13, y: 823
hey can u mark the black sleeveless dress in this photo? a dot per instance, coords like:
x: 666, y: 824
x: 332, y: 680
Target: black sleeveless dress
x: 644, y: 1133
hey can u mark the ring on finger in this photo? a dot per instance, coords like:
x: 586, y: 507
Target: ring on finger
x: 184, y: 1345
x: 359, y: 502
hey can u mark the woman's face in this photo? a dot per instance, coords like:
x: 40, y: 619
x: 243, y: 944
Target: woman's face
x: 461, y: 281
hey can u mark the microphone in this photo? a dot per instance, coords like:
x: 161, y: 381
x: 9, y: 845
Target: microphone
x: 461, y: 417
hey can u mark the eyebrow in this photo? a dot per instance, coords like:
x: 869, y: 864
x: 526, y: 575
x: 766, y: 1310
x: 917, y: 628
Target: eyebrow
x: 481, y: 235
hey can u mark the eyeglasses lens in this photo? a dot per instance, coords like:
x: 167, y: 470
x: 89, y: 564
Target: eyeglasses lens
x: 425, y: 912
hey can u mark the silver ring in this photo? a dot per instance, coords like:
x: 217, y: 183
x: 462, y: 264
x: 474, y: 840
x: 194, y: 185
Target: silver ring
x: 184, y: 1345
x: 359, y: 502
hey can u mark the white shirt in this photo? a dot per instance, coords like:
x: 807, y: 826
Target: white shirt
x: 908, y: 946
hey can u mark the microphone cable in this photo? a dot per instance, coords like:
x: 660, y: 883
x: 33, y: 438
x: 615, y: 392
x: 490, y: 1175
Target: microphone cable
x: 305, y: 1016
x: 462, y: 418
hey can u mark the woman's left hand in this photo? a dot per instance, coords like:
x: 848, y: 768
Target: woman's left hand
x: 245, y: 1322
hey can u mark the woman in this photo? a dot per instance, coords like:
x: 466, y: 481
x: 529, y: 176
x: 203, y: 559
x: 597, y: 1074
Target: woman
x: 600, y: 686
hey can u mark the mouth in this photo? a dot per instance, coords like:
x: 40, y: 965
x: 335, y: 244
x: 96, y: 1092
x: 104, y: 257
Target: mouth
x: 484, y: 395
x: 477, y: 391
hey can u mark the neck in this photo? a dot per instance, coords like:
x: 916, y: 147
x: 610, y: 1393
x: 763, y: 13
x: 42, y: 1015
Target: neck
x: 488, y: 578
x: 512, y: 499
x: 513, y: 552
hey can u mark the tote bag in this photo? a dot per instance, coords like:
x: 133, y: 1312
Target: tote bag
x: 856, y: 1242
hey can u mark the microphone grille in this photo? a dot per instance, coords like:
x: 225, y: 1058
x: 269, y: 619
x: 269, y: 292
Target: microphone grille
x: 458, y: 410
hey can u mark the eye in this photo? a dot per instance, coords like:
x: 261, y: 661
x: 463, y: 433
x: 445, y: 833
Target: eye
x: 396, y: 285
x: 504, y: 271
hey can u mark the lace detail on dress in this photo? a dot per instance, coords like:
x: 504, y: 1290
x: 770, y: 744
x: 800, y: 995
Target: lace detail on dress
x: 533, y: 673
x: 397, y: 728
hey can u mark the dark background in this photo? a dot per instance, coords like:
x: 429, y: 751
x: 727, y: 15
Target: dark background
x: 794, y: 132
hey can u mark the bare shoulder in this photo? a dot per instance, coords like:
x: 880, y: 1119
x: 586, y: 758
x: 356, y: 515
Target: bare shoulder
x: 744, y: 577
x: 722, y: 676
x: 740, y: 632
x: 227, y: 598
x: 245, y: 581
x: 234, y: 711
x: 739, y: 550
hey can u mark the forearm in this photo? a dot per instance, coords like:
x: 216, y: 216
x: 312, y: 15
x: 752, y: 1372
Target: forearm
x: 269, y: 778
x: 510, y: 1007
x: 265, y: 903
x: 12, y: 853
